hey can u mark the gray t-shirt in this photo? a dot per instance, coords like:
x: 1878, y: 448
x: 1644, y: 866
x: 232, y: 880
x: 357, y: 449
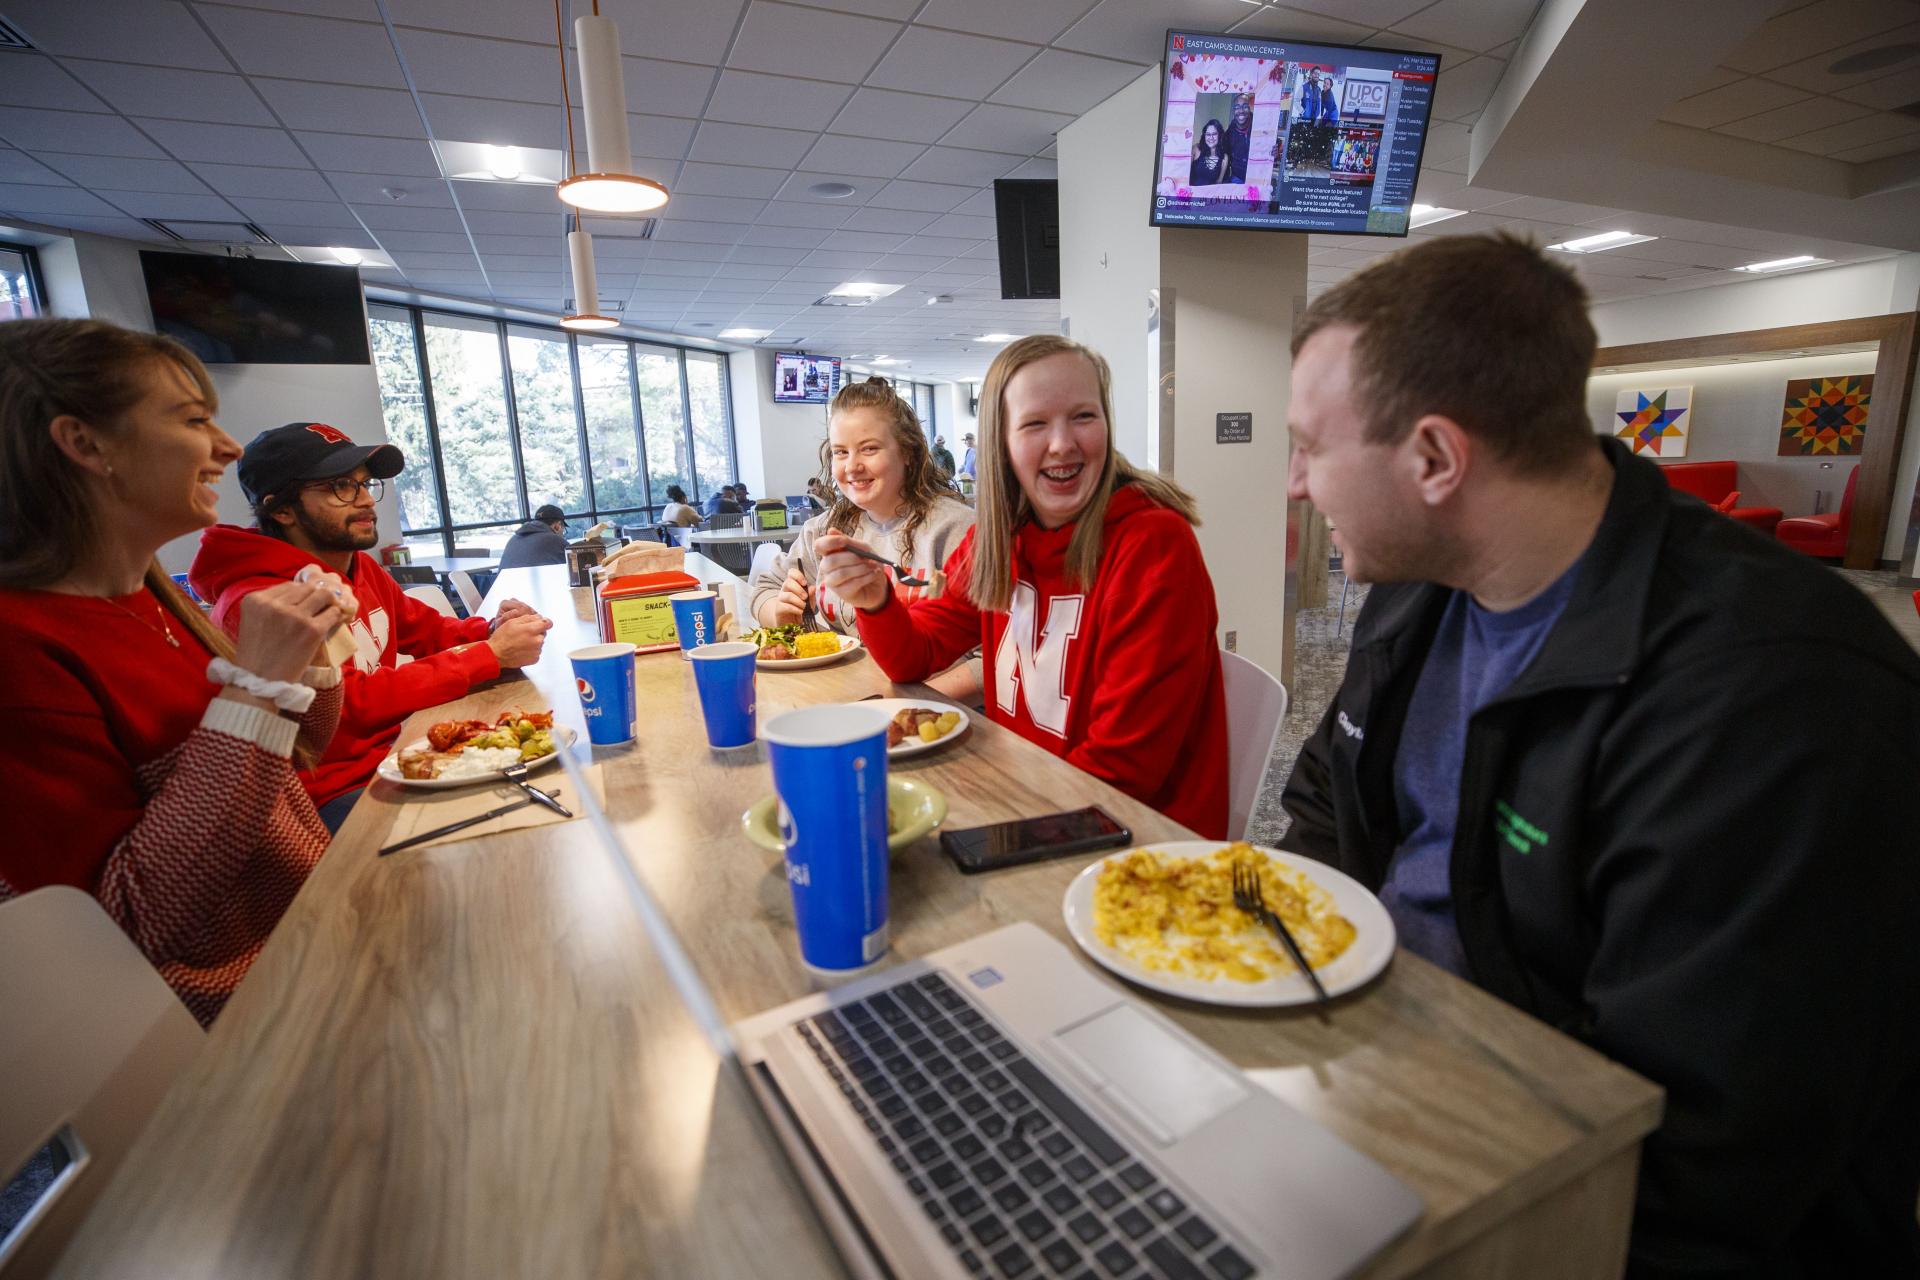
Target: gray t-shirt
x: 933, y: 542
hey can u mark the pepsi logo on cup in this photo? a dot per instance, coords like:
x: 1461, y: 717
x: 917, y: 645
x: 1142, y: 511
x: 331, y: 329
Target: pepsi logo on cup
x: 586, y: 690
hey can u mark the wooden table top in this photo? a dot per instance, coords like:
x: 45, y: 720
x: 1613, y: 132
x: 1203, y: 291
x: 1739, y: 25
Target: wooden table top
x: 744, y: 534
x: 472, y: 1058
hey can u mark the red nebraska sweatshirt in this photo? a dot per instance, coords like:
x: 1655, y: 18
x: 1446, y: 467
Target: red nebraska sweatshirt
x: 448, y: 656
x: 1122, y: 679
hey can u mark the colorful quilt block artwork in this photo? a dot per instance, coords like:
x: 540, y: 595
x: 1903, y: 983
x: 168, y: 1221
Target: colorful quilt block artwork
x: 1654, y: 421
x: 1826, y: 416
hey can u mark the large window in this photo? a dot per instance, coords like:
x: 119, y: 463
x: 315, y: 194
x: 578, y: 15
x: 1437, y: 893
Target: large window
x: 19, y: 284
x: 499, y: 419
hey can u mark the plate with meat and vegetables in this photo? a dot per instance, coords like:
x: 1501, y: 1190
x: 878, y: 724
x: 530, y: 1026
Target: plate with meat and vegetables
x: 790, y: 648
x: 459, y: 753
x: 914, y: 728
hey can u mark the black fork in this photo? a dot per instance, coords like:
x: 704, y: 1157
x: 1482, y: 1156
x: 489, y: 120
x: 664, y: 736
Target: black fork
x: 1250, y: 898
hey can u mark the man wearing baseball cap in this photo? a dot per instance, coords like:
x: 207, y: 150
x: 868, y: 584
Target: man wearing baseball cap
x: 313, y: 492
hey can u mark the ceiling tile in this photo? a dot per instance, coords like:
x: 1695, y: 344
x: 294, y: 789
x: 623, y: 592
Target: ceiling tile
x: 863, y: 241
x: 445, y: 62
x: 1854, y: 134
x: 1880, y: 150
x: 960, y: 224
x: 688, y: 251
x: 1813, y: 75
x: 961, y: 166
x: 496, y: 223
x: 344, y: 237
x: 1073, y: 83
x: 657, y: 87
x: 946, y: 62
x: 123, y: 173
x: 678, y: 270
x: 310, y: 213
x: 1479, y: 25
x: 1037, y: 21
x: 1464, y: 88
x: 1278, y: 23
x: 807, y: 213
x: 400, y: 218
x: 506, y: 197
x: 493, y: 120
x: 702, y: 179
x: 789, y: 237
x: 1038, y: 167
x: 1801, y: 117
x: 926, y: 196
x: 1732, y: 102
x: 937, y: 246
x: 693, y: 32
x: 904, y: 221
x: 125, y: 228
x: 867, y: 157
x: 749, y: 98
x: 1886, y: 93
x: 752, y: 144
x: 54, y: 200
x: 342, y: 108
x: 356, y: 153
x: 225, y: 143
x: 1136, y: 30
x: 172, y: 93
x: 828, y: 46
x: 19, y: 167
x: 992, y: 127
x: 372, y: 188
x: 153, y: 32
x: 276, y: 184
x: 714, y: 208
x: 72, y: 132
x: 904, y: 117
x: 710, y: 233
x: 979, y: 203
x: 1814, y: 28
x: 34, y: 80
x: 765, y: 255
x: 297, y: 46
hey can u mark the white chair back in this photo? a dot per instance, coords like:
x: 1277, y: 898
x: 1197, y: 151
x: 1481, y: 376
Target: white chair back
x: 763, y: 557
x: 469, y: 594
x: 94, y: 1039
x: 433, y: 597
x: 1256, y: 704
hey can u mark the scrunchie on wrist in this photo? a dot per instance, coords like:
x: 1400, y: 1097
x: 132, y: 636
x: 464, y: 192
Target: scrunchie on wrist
x: 284, y: 694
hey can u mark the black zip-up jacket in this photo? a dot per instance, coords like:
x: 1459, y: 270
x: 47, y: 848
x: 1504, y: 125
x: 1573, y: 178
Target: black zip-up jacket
x: 1689, y: 835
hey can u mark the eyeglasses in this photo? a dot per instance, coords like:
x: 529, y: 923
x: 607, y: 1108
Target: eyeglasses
x: 346, y: 490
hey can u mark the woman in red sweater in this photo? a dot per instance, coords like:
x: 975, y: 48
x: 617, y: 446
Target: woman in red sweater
x: 1083, y: 585
x: 149, y: 755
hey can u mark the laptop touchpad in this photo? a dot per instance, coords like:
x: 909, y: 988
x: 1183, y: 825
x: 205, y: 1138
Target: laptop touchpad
x: 1143, y: 1069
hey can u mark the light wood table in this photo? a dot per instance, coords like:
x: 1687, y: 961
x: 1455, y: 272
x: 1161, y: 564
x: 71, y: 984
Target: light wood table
x: 724, y: 537
x: 469, y: 1058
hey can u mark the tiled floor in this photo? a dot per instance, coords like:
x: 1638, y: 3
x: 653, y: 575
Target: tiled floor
x: 1320, y: 661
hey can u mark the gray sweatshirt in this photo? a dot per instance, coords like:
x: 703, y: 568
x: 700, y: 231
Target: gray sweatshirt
x: 946, y: 524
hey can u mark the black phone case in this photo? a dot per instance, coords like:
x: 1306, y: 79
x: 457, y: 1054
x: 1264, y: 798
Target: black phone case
x: 963, y: 859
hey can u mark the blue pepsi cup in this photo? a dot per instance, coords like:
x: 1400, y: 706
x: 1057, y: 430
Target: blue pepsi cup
x: 830, y: 770
x: 696, y: 619
x: 603, y: 673
x: 724, y: 675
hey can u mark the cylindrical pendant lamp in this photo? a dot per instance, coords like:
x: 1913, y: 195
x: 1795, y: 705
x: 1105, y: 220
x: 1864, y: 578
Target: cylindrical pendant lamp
x: 610, y: 185
x: 586, y: 289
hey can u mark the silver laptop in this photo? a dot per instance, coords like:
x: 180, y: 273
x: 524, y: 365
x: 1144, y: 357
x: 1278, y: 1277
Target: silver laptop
x: 994, y: 1109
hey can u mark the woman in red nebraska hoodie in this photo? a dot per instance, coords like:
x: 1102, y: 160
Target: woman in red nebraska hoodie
x: 1083, y: 585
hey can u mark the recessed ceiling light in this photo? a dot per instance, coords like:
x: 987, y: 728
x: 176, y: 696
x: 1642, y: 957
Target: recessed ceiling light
x: 1784, y: 264
x: 502, y: 164
x: 351, y: 257
x: 1425, y: 215
x: 745, y: 335
x: 341, y: 255
x: 831, y: 190
x: 863, y: 289
x: 998, y: 337
x: 1601, y: 243
x: 486, y: 162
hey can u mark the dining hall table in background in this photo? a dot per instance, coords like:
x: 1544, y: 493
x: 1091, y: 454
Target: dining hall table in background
x: 500, y: 1057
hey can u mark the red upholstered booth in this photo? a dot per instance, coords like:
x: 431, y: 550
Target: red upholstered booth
x: 1824, y: 535
x: 1713, y: 483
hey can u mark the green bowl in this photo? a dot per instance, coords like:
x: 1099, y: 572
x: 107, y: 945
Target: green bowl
x: 914, y: 809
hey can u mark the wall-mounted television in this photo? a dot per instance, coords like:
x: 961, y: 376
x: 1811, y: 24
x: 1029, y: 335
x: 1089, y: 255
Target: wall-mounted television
x: 803, y: 379
x: 1288, y: 135
x: 251, y: 311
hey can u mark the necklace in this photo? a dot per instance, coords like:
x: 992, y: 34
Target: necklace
x: 165, y: 628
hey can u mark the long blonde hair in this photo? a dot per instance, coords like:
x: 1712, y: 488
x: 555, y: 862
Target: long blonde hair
x: 923, y: 481
x: 1000, y: 504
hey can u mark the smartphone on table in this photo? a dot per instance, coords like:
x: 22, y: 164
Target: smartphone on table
x: 1053, y: 835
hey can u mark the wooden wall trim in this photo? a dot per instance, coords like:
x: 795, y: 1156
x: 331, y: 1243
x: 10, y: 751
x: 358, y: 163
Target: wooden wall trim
x: 1893, y: 371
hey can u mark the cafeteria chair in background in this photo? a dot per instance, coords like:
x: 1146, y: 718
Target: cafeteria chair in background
x: 464, y: 587
x: 1822, y: 536
x: 434, y: 597
x: 763, y: 557
x: 1256, y: 704
x: 94, y: 1039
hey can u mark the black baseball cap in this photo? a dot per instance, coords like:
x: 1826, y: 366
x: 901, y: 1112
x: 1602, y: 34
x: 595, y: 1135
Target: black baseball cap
x: 300, y: 451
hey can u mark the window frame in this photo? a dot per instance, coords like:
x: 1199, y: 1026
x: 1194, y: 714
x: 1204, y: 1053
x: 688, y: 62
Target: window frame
x: 36, y: 282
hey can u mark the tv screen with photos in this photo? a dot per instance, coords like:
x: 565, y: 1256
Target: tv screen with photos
x: 253, y: 311
x: 805, y: 379
x: 1287, y: 135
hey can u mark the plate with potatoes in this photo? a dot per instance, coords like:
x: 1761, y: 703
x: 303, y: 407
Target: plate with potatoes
x: 914, y: 727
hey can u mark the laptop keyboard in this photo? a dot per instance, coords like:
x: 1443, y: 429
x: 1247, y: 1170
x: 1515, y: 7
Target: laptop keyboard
x: 1020, y: 1180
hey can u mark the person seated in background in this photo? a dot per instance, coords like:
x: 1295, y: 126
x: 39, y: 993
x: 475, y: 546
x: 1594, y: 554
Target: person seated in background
x: 152, y: 757
x: 720, y: 503
x: 893, y: 498
x: 313, y: 492
x: 1083, y: 585
x: 677, y: 512
x: 541, y: 540
x: 1618, y: 760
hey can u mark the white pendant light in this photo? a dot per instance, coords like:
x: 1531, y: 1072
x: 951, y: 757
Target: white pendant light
x: 586, y: 289
x: 609, y: 185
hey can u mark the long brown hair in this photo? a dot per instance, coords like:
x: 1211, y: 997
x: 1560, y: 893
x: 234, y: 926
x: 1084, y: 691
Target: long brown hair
x: 1000, y: 504
x: 925, y: 481
x: 95, y: 372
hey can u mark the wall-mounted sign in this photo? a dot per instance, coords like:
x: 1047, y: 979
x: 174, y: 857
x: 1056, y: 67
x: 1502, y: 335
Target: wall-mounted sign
x: 1233, y: 428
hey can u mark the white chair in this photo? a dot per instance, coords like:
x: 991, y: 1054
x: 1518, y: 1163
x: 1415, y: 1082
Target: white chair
x: 1256, y: 704
x: 463, y: 587
x: 94, y: 1039
x: 434, y: 597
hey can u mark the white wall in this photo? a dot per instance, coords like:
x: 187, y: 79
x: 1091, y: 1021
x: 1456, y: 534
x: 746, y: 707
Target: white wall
x: 788, y: 436
x: 953, y: 417
x: 1109, y: 256
x: 1736, y: 416
x: 1838, y: 293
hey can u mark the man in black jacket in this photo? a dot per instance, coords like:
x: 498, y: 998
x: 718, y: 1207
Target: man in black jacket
x: 1620, y: 761
x: 541, y: 540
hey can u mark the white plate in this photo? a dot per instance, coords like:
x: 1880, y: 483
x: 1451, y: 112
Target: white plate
x: 1358, y: 965
x: 847, y: 645
x: 390, y: 767
x: 914, y: 746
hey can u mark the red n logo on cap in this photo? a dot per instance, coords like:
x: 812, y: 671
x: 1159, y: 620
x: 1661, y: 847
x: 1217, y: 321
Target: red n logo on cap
x: 332, y: 435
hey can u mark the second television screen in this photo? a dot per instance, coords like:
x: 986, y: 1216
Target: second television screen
x: 1281, y: 135
x: 805, y: 378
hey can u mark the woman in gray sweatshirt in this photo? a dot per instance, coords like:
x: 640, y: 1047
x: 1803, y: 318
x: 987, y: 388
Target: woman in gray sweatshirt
x: 891, y: 496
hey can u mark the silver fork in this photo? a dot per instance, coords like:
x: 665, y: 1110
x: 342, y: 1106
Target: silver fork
x: 1250, y: 898
x: 516, y: 773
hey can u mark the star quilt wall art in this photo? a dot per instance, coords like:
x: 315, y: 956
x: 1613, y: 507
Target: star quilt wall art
x: 1654, y: 421
x: 1826, y: 416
